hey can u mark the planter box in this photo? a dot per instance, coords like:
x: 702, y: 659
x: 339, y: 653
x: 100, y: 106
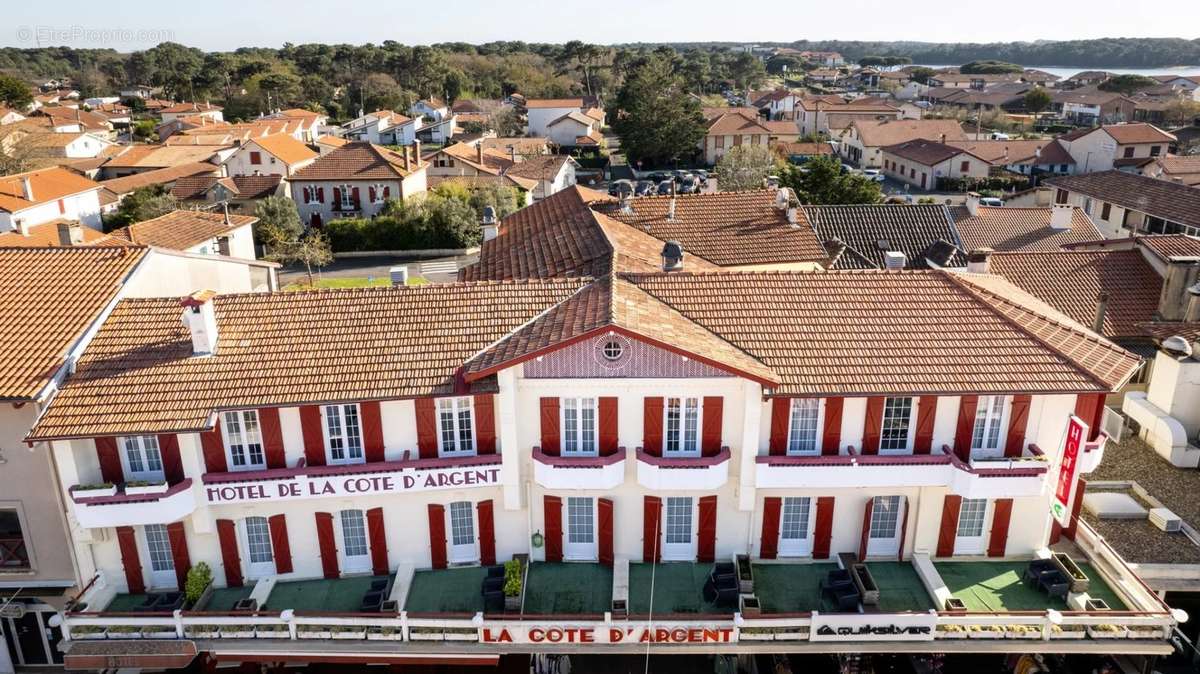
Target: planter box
x: 1023, y: 635
x: 745, y: 573
x: 948, y: 634
x: 88, y: 636
x: 748, y: 605
x: 272, y: 634
x: 1067, y: 634
x: 164, y: 634
x: 986, y: 634
x: 455, y: 636
x: 380, y: 636
x: 313, y: 634
x: 1120, y: 633
x: 239, y: 633
x: 418, y: 636
x: 147, y: 489
x: 1079, y: 581
x: 354, y: 634
x: 791, y: 636
x: 512, y: 604
x: 95, y: 493
x: 201, y: 634
x: 124, y: 635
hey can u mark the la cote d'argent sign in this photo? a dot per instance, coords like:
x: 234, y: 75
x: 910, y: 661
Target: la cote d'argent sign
x: 393, y: 481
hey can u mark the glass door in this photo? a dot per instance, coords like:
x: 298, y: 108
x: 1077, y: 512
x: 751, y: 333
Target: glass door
x: 679, y: 540
x: 972, y: 515
x: 887, y: 517
x: 464, y: 548
x: 162, y: 564
x: 356, y: 553
x: 795, y: 527
x: 581, y: 529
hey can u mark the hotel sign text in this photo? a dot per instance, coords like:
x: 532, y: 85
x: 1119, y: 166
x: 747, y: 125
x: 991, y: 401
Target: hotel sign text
x: 357, y: 484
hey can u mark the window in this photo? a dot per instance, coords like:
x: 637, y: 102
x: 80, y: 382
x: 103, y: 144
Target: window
x: 343, y: 433
x: 897, y: 418
x: 255, y: 158
x: 970, y: 517
x: 258, y: 541
x: 802, y: 429
x: 1087, y: 206
x: 989, y: 417
x: 457, y: 437
x: 347, y: 200
x: 13, y: 553
x: 1128, y: 152
x: 244, y: 440
x: 720, y: 142
x: 966, y: 166
x: 579, y: 426
x: 682, y: 426
x: 143, y: 461
x: 354, y: 534
x: 678, y: 528
x: 1155, y: 150
x: 793, y: 523
x: 613, y: 349
x: 1060, y: 196
x: 462, y: 523
x: 1105, y: 211
x: 885, y: 515
x: 580, y: 520
x: 159, y: 547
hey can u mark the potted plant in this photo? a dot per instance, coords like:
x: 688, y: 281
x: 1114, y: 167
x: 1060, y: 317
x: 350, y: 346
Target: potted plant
x: 314, y: 632
x: 987, y: 632
x: 1022, y: 632
x: 237, y: 631
x: 512, y: 585
x: 199, y: 581
x: 95, y: 490
x: 385, y: 633
x: 1079, y: 580
x: 952, y: 632
x: 426, y: 633
x: 124, y: 632
x: 135, y: 487
x: 955, y: 605
x: 349, y: 631
x: 88, y: 631
x: 749, y: 606
x: 745, y: 574
x: 202, y: 631
x: 272, y: 631
x: 461, y: 634
x: 158, y: 632
x: 1107, y: 631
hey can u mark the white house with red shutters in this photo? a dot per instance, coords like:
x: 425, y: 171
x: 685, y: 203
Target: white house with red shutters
x: 717, y: 431
x: 355, y: 181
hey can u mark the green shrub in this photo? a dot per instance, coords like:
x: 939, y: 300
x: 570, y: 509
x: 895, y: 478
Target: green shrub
x: 512, y: 578
x: 198, y: 578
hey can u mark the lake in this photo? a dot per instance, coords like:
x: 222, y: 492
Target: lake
x: 1064, y: 73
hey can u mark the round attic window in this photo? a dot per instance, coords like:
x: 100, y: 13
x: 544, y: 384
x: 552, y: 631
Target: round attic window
x: 611, y: 351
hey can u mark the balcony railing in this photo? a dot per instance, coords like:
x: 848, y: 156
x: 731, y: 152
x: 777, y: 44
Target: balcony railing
x: 579, y: 472
x: 128, y: 505
x: 679, y: 473
x: 13, y: 554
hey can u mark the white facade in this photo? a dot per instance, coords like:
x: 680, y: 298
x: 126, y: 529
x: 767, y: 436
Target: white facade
x: 243, y: 162
x: 319, y: 203
x: 84, y: 207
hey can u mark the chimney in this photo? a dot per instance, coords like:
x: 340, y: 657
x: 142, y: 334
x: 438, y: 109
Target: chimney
x: 488, y: 223
x: 626, y: 201
x: 417, y: 153
x: 27, y: 188
x: 1101, y: 310
x: 512, y: 153
x: 671, y: 206
x: 1060, y: 216
x: 782, y: 198
x: 479, y: 153
x: 672, y: 256
x: 894, y: 259
x: 1193, y: 305
x: 943, y: 140
x: 200, y: 317
x: 23, y: 226
x: 973, y: 203
x: 70, y: 234
x: 407, y: 165
x: 979, y: 261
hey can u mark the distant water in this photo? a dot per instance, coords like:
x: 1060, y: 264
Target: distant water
x: 1067, y: 72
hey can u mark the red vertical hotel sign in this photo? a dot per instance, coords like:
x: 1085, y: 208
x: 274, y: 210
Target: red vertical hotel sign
x: 1067, y: 471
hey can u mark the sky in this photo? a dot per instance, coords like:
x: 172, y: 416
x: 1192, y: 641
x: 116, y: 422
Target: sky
x: 129, y: 25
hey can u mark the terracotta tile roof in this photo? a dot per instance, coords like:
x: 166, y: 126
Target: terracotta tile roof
x: 874, y: 332
x: 241, y: 187
x: 1184, y: 170
x: 926, y: 152
x: 180, y: 229
x: 1160, y: 330
x: 287, y: 348
x: 842, y: 120
x: 574, y: 116
x: 1020, y: 229
x: 805, y: 148
x: 592, y: 137
x: 1005, y: 152
x: 872, y: 230
x: 48, y: 298
x: 357, y: 161
x: 162, y: 156
x: 186, y: 107
x: 285, y: 147
x: 46, y: 234
x: 494, y: 161
x: 1071, y: 281
x: 127, y: 184
x: 90, y: 121
x: 49, y: 184
x: 895, y: 131
x: 1169, y: 246
x: 1160, y: 198
x: 729, y: 229
x: 537, y: 167
x: 1126, y: 134
x: 783, y: 128
x: 523, y: 146
x: 554, y: 103
x: 735, y: 123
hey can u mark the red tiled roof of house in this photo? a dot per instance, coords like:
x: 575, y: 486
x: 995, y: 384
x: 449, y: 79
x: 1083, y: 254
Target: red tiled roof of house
x: 186, y: 107
x: 127, y: 184
x: 285, y: 147
x: 1160, y: 198
x: 46, y: 234
x: 1020, y: 229
x: 1137, y: 133
x: 926, y: 152
x: 1168, y: 246
x: 48, y: 184
x: 735, y: 123
x: 895, y: 131
x: 179, y: 229
x: 1005, y: 152
x: 358, y: 161
x: 554, y: 103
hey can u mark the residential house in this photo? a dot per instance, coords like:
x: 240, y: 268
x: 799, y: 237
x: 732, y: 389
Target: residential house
x: 1115, y: 146
x: 727, y: 130
x: 1034, y: 229
x: 520, y: 146
x: 1089, y: 106
x: 356, y: 180
x: 241, y: 193
x: 370, y: 127
x: 813, y: 113
x: 1182, y: 170
x: 925, y: 163
x: 537, y: 176
x: 542, y: 113
x: 329, y: 143
x: 863, y: 141
x: 139, y: 91
x: 434, y: 108
x: 798, y: 153
x: 142, y: 158
x: 829, y: 59
x: 1027, y: 157
x: 278, y: 154
x: 207, y: 111
x: 8, y: 115
x: 69, y: 145
x: 824, y: 76
x: 781, y: 104
x: 190, y: 231
x: 77, y: 121
x: 35, y: 197
x: 313, y: 122
x: 1123, y: 204
x: 1086, y: 78
x: 887, y: 236
x: 114, y: 190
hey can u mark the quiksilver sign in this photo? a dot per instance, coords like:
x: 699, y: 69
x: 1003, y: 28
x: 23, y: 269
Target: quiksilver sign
x: 866, y: 627
x: 362, y: 484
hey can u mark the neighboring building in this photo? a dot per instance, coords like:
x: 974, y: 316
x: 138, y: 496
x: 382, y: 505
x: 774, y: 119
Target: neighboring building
x: 781, y: 104
x: 278, y: 154
x: 542, y: 113
x: 198, y: 232
x: 36, y: 197
x: 1176, y: 169
x: 887, y: 236
x: 863, y: 141
x: 801, y: 152
x: 143, y: 158
x: 727, y: 130
x: 242, y: 193
x: 356, y: 180
x: 1022, y: 229
x: 70, y: 145
x: 1027, y: 157
x: 434, y: 108
x: 520, y: 146
x: 374, y: 126
x: 1122, y: 204
x: 114, y: 190
x: 1115, y: 146
x: 63, y: 119
x: 206, y: 111
x: 830, y: 114
x: 1092, y: 106
x: 924, y: 163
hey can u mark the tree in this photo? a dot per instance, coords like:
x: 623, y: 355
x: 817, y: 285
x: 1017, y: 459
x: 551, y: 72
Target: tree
x: 657, y: 120
x: 744, y: 167
x: 144, y: 203
x: 1127, y: 84
x: 14, y: 93
x: 1181, y: 111
x: 921, y: 74
x: 821, y: 181
x: 311, y: 250
x: 278, y: 221
x: 1037, y: 100
x: 990, y: 67
x: 747, y: 71
x: 507, y: 123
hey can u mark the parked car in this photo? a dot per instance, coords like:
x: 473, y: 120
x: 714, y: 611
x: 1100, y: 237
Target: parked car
x: 666, y: 186
x: 620, y: 188
x: 702, y: 175
x: 991, y: 201
x: 643, y: 187
x: 874, y: 174
x: 689, y: 185
x: 846, y: 168
x: 659, y: 176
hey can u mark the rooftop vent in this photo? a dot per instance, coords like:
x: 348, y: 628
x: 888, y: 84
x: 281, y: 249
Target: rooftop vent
x: 1165, y: 520
x: 672, y: 256
x: 1060, y: 216
x: 978, y: 260
x: 883, y: 244
x: 894, y: 259
x: 488, y: 223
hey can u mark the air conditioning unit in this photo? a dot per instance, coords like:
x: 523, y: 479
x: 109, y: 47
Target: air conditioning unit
x: 1165, y: 519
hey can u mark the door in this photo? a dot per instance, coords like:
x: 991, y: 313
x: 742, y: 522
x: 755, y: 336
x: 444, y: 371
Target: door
x: 679, y: 537
x: 356, y: 553
x: 29, y: 640
x: 464, y: 547
x: 972, y: 514
x: 260, y: 555
x: 795, y: 527
x: 987, y: 434
x: 315, y: 221
x: 158, y: 552
x: 142, y: 459
x: 580, y: 544
x: 887, y: 516
x: 681, y: 427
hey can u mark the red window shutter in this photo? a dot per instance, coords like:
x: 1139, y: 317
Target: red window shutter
x: 281, y: 548
x: 110, y: 460
x: 1018, y: 419
x: 926, y: 410
x: 354, y: 196
x: 873, y: 425
x: 651, y: 528
x: 127, y: 541
x: 255, y: 158
x: 823, y: 527
x: 604, y: 517
x: 552, y: 506
x: 1001, y: 514
x: 485, y: 424
x: 321, y: 195
x: 272, y: 436
x: 706, y: 547
x: 306, y: 194
x: 314, y: 435
x: 387, y: 192
x: 179, y: 552
x: 168, y: 448
x: 1090, y: 408
x: 227, y: 535
x: 378, y: 537
x: 213, y: 448
x: 550, y: 430
x: 831, y: 436
x: 326, y: 545
x: 710, y: 434
x: 966, y: 426
x: 652, y: 426
x: 487, y: 532
x: 866, y: 529
x: 337, y: 198
x: 781, y: 421
x: 903, y: 526
x: 62, y: 207
x: 427, y: 428
x: 437, y: 536
x: 372, y: 430
x: 949, y: 531
x: 768, y: 545
x: 371, y: 193
x: 608, y: 426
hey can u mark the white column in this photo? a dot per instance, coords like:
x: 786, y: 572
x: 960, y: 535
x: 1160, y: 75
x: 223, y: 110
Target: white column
x: 751, y: 423
x: 510, y: 451
x: 190, y: 455
x: 68, y: 475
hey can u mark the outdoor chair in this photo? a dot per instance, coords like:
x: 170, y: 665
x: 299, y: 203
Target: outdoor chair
x: 846, y: 598
x: 1054, y: 583
x: 724, y: 569
x: 371, y: 602
x: 493, y: 584
x: 495, y: 571
x: 380, y: 585
x: 1035, y: 569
